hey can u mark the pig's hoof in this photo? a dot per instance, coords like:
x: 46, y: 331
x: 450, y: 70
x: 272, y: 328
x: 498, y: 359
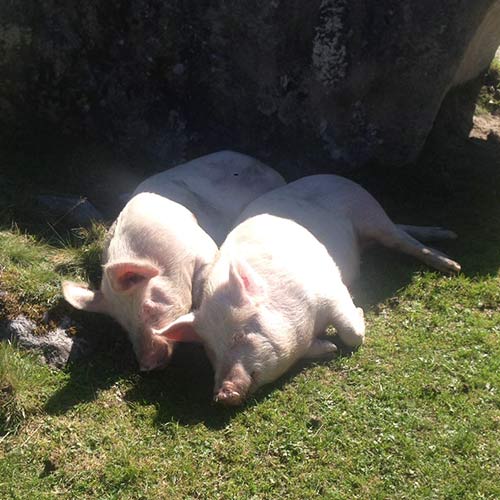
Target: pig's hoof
x: 449, y: 266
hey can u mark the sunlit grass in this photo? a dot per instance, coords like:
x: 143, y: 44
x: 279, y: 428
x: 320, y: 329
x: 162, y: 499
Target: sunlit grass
x: 32, y: 269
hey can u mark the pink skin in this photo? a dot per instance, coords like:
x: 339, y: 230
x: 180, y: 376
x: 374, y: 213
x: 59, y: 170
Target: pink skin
x: 155, y: 352
x: 127, y: 286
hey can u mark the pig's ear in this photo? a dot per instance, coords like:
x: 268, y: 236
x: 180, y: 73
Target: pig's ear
x: 245, y: 281
x: 125, y: 276
x: 84, y: 299
x: 181, y: 330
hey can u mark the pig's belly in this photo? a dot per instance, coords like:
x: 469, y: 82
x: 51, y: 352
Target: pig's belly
x: 341, y: 242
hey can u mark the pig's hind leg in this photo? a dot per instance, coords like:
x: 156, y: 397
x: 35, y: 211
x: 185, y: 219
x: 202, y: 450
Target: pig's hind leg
x: 397, y: 239
x: 373, y: 224
x: 427, y: 233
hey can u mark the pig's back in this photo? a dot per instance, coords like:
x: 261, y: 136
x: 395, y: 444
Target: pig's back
x: 321, y: 204
x: 281, y: 248
x: 151, y: 226
x: 215, y: 187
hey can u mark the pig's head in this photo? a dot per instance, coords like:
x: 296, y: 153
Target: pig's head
x: 237, y: 329
x: 142, y: 300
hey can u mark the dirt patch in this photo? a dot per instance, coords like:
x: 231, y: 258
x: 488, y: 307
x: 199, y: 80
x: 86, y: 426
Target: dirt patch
x: 486, y: 127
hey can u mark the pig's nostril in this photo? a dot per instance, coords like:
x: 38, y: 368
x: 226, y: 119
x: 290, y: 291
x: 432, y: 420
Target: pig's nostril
x: 228, y: 397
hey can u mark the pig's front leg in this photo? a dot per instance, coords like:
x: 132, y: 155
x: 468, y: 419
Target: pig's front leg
x: 348, y: 320
x: 320, y: 348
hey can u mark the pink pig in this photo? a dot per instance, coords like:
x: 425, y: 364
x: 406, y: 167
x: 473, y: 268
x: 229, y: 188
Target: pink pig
x: 159, y: 248
x: 281, y: 278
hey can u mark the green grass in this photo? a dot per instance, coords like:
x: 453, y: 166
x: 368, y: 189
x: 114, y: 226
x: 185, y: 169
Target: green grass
x: 31, y: 269
x: 18, y: 378
x: 489, y: 97
x: 413, y: 414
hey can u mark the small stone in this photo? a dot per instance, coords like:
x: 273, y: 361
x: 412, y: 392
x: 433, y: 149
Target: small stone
x: 70, y: 210
x: 56, y: 348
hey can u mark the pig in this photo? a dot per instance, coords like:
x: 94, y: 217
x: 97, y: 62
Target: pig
x: 159, y: 249
x: 216, y: 188
x: 281, y: 278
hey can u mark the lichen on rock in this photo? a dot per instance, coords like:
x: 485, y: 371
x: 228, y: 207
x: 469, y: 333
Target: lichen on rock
x: 329, y: 53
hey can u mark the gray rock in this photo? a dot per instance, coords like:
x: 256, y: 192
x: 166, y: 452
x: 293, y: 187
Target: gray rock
x: 69, y: 210
x: 354, y: 81
x: 332, y: 82
x: 57, y: 348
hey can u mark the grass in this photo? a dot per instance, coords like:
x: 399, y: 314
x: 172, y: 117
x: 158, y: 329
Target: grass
x: 17, y: 380
x: 32, y: 269
x: 413, y: 414
x: 489, y: 97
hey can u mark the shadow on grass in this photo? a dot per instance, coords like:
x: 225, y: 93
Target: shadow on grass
x: 111, y: 359
x: 457, y: 187
x: 183, y: 392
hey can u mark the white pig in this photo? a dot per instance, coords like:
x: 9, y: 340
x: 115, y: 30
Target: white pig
x: 158, y: 250
x: 216, y: 188
x: 276, y: 286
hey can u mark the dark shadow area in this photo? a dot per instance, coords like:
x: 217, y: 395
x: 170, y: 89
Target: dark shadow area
x: 109, y: 359
x: 89, y: 172
x: 456, y: 187
x: 183, y: 391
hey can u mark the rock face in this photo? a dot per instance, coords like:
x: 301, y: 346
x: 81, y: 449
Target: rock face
x: 340, y: 82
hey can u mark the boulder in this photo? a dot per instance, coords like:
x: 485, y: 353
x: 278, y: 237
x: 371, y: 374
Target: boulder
x: 362, y: 81
x: 336, y: 83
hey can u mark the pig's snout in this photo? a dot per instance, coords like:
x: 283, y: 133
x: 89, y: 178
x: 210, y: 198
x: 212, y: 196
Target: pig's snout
x: 156, y: 355
x: 229, y: 395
